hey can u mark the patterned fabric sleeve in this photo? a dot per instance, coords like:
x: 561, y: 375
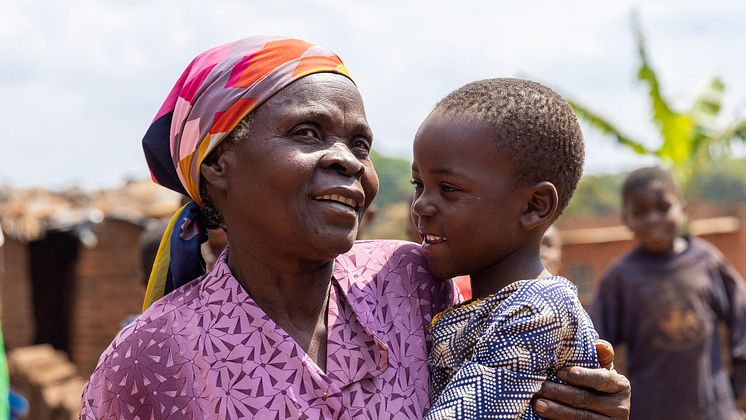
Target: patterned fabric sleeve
x: 96, y: 401
x: 540, y: 328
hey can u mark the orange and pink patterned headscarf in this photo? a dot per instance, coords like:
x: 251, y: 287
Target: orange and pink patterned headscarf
x: 218, y: 89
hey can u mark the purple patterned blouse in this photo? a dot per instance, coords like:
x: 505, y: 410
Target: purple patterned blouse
x: 207, y: 351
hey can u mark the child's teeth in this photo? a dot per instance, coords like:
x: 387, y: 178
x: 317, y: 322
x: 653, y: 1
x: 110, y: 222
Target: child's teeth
x: 432, y: 238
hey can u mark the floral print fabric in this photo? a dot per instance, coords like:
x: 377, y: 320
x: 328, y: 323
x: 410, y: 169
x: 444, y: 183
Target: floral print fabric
x: 207, y: 351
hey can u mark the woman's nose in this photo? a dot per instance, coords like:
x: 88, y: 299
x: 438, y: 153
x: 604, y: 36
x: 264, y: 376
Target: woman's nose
x: 340, y: 158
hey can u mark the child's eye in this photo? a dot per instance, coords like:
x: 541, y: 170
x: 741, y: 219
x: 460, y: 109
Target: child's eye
x: 417, y: 184
x: 448, y: 188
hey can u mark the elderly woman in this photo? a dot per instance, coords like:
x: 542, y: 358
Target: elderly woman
x: 268, y: 137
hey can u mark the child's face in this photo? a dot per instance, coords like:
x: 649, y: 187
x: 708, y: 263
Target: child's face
x: 465, y: 205
x: 655, y: 214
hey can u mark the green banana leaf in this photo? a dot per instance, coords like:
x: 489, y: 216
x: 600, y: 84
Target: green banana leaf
x: 604, y: 126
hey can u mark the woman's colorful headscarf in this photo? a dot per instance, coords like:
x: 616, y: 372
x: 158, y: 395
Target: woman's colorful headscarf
x: 216, y: 91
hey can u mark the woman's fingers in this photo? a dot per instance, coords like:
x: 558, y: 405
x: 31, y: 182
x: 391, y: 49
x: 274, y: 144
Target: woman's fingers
x: 602, y: 380
x: 608, y: 395
x: 552, y: 410
x: 605, y: 352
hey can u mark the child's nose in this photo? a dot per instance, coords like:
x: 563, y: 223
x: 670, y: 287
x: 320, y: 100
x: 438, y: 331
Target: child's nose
x: 422, y: 207
x: 654, y: 217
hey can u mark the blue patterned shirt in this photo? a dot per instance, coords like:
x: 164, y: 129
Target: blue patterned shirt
x: 490, y: 356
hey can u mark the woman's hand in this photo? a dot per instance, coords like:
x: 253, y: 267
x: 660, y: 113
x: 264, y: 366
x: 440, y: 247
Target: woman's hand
x: 590, y: 394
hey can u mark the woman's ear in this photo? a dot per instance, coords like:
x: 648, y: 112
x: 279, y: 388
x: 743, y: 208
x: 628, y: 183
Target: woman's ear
x: 213, y: 171
x: 542, y: 205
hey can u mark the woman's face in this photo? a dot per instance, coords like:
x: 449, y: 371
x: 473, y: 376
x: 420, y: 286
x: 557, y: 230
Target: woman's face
x: 298, y: 185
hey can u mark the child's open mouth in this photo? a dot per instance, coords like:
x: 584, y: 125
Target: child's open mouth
x: 432, y: 239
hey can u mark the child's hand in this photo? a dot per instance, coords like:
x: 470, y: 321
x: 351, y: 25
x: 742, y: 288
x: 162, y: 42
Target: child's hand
x: 605, y: 353
x: 590, y: 394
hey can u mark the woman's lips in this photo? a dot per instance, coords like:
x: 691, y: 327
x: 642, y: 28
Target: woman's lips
x: 350, y: 202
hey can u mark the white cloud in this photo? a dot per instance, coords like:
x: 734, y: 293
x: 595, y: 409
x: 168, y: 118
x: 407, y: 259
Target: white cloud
x: 81, y: 80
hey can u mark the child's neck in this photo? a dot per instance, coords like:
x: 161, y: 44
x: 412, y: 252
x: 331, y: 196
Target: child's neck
x: 678, y: 246
x: 506, y: 271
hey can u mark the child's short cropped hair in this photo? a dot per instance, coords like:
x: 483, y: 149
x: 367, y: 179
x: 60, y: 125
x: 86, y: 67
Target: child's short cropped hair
x: 535, y: 127
x: 645, y: 176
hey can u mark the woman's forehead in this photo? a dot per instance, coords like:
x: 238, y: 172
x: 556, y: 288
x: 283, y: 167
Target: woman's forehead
x: 317, y: 87
x: 323, y: 97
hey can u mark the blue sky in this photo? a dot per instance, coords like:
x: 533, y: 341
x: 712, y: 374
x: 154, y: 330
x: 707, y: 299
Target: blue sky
x: 81, y: 80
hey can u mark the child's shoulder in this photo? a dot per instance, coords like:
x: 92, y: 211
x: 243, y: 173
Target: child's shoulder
x: 547, y: 288
x: 551, y: 296
x: 705, y: 249
x: 541, y: 316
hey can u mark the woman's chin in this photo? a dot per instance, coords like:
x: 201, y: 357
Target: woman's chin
x: 336, y: 242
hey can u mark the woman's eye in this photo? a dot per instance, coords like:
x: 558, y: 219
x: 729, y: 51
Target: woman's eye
x: 417, y: 184
x: 307, y: 132
x: 360, y: 146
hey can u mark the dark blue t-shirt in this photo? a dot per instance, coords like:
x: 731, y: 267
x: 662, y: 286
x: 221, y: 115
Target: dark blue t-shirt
x: 666, y: 308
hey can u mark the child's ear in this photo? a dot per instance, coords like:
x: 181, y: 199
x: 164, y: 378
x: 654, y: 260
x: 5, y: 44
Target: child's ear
x: 541, y: 205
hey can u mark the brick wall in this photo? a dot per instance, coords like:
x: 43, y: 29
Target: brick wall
x: 108, y: 288
x: 15, y: 289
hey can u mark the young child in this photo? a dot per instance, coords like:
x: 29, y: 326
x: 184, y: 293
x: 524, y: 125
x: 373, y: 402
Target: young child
x: 495, y: 163
x: 664, y: 299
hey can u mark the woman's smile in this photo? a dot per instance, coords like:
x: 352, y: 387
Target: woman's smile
x: 338, y: 199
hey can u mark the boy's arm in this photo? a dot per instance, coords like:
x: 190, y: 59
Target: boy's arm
x: 735, y: 319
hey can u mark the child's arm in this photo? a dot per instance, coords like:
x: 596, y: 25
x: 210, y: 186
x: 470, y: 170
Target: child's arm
x: 539, y: 329
x: 735, y: 318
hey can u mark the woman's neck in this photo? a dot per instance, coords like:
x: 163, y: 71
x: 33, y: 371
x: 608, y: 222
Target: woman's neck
x: 290, y: 289
x: 294, y: 295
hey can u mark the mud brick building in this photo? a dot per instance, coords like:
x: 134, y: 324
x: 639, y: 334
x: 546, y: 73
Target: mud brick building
x: 70, y: 271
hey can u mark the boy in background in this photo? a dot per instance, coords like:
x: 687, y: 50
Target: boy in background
x: 665, y: 299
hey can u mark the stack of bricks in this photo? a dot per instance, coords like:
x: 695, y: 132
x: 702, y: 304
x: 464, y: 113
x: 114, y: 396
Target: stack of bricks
x: 48, y: 380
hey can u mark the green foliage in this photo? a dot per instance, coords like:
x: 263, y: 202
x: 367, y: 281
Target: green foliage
x: 690, y: 139
x: 597, y: 195
x: 394, y: 177
x: 723, y: 181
